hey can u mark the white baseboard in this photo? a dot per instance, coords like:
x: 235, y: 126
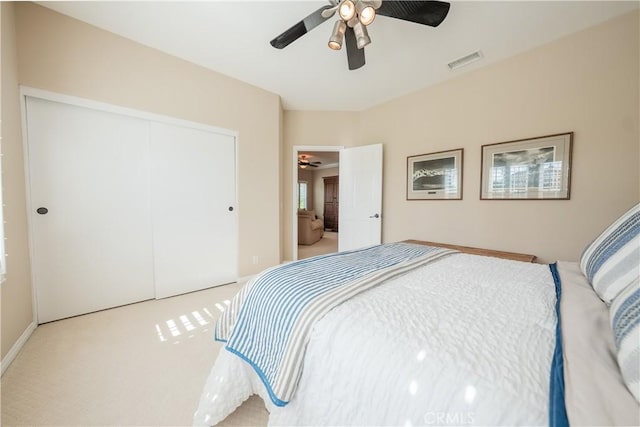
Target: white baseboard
x: 245, y: 279
x: 15, y: 349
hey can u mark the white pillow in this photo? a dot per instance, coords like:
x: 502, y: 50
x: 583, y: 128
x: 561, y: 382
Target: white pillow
x: 612, y: 264
x: 595, y: 392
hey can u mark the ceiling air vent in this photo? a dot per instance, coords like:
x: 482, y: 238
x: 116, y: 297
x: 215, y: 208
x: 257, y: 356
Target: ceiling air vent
x: 465, y: 60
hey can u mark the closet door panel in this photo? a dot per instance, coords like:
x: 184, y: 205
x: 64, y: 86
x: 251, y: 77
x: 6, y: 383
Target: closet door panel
x: 193, y: 199
x: 89, y: 169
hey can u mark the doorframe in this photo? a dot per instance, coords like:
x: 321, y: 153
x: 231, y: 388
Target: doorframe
x: 27, y: 91
x: 294, y: 187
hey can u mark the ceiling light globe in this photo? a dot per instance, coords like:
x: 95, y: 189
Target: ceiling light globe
x: 347, y: 10
x: 367, y: 16
x: 366, y: 13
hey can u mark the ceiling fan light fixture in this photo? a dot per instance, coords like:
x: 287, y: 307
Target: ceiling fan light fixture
x: 355, y: 16
x: 337, y: 35
x: 366, y: 12
x: 346, y: 10
x: 362, y: 35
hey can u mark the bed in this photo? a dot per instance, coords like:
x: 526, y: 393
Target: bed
x: 431, y: 335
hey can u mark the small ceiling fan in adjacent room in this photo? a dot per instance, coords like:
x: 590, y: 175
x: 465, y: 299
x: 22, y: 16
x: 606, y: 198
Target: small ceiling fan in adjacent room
x: 353, y: 18
x: 304, y: 162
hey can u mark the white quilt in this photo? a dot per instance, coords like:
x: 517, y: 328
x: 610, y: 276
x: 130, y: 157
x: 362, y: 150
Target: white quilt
x: 466, y: 340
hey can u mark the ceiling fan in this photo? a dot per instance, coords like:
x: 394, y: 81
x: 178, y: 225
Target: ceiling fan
x: 353, y: 18
x: 303, y: 162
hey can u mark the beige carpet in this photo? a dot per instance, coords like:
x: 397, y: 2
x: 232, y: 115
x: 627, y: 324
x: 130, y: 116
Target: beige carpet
x: 326, y: 245
x: 143, y: 364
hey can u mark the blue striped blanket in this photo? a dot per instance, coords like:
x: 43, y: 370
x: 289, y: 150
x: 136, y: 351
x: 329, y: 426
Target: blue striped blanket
x: 268, y: 323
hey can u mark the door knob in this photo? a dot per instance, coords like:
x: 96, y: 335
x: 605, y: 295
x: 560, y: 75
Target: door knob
x: 230, y: 208
x: 42, y: 211
x: 375, y: 216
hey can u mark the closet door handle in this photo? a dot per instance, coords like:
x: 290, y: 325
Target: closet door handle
x: 375, y: 216
x: 230, y: 208
x: 42, y: 211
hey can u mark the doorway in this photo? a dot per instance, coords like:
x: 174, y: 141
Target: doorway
x: 315, y: 231
x: 360, y: 194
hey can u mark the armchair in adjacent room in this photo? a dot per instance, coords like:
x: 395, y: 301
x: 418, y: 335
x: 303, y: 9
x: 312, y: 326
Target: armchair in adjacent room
x: 310, y: 228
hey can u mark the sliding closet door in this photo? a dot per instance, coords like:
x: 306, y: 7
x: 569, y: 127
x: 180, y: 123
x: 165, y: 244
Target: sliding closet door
x: 90, y: 215
x: 193, y: 194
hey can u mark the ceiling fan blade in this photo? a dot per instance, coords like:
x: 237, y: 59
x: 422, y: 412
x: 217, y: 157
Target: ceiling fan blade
x: 430, y: 13
x: 300, y: 29
x: 355, y: 56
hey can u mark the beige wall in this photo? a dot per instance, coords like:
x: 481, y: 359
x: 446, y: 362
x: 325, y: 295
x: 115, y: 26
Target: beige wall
x: 60, y: 54
x: 281, y: 155
x: 16, y: 290
x: 586, y: 83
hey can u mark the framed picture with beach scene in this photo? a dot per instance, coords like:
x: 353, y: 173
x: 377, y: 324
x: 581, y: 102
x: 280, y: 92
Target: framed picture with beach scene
x: 435, y: 176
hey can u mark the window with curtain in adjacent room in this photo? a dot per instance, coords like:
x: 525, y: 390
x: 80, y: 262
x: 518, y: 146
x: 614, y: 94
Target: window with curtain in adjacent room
x: 302, y: 195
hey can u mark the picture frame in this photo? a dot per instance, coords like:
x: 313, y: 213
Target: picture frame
x: 527, y: 169
x: 435, y: 176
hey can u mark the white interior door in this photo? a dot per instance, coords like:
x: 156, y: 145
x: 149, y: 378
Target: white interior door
x: 193, y: 194
x: 89, y: 169
x: 360, y: 214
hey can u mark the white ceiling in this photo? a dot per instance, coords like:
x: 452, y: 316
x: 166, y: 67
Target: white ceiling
x: 232, y: 37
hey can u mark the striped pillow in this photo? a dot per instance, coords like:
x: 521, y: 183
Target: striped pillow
x: 625, y: 321
x: 611, y: 261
